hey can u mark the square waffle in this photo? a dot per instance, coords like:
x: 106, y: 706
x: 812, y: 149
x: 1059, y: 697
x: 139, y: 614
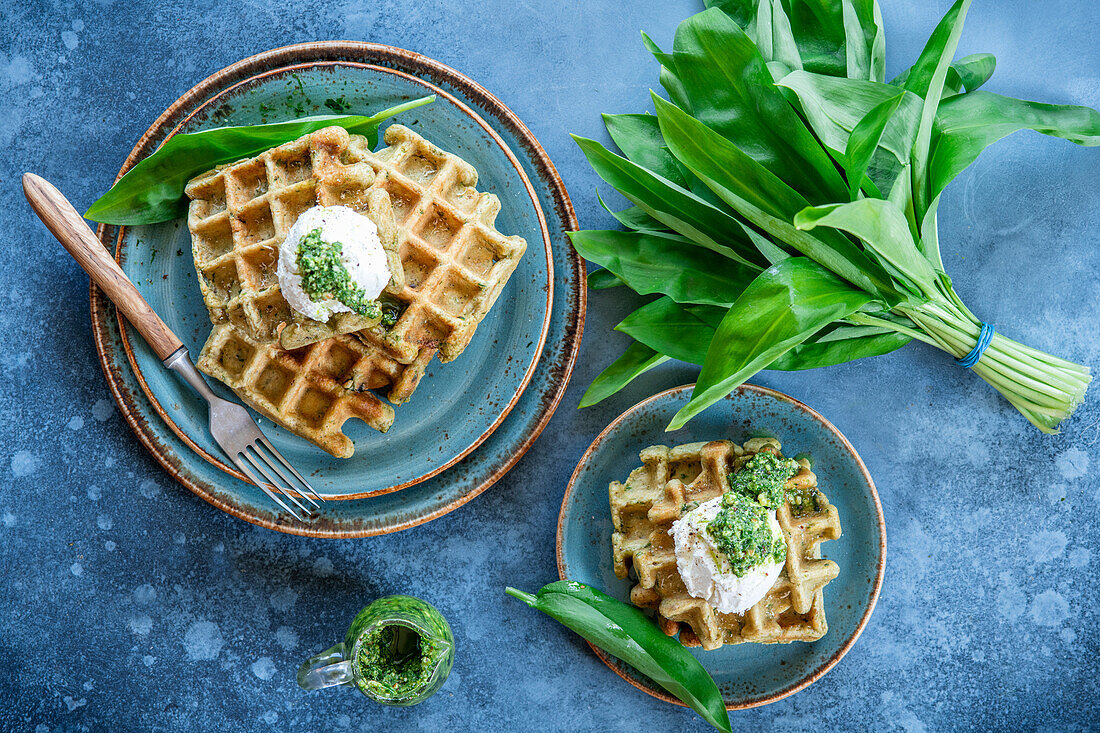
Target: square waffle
x: 240, y: 213
x: 456, y: 263
x: 658, y: 493
x: 311, y: 390
x: 438, y: 229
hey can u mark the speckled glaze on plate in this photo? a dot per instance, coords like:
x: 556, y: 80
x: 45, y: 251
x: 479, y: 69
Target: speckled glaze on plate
x: 748, y: 675
x: 529, y: 340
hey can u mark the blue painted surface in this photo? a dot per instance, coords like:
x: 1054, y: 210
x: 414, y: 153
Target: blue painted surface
x: 129, y: 604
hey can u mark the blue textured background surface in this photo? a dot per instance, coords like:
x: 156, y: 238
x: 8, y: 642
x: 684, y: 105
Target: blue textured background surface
x: 129, y: 604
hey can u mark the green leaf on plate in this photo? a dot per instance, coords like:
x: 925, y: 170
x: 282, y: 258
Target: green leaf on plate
x: 152, y: 191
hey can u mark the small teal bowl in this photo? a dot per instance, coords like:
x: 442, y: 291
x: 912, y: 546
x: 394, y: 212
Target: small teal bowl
x: 748, y: 675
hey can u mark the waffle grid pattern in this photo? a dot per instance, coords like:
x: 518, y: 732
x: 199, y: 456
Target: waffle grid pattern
x: 455, y: 261
x: 312, y: 390
x: 449, y: 263
x: 239, y: 214
x: 658, y: 493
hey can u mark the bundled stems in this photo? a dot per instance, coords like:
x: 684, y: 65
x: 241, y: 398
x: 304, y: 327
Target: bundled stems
x: 1044, y: 388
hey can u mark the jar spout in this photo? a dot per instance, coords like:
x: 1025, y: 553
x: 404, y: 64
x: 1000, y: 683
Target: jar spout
x: 327, y: 669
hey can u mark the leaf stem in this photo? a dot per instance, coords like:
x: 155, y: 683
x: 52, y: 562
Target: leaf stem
x: 527, y: 598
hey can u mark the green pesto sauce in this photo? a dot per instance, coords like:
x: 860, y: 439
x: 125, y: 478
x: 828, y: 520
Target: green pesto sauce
x: 395, y: 662
x: 740, y: 529
x: 764, y: 478
x: 325, y: 277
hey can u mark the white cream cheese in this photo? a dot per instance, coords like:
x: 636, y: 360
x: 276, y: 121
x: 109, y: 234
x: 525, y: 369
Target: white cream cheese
x: 362, y: 255
x: 707, y: 573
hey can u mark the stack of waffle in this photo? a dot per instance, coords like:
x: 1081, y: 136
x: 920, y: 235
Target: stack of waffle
x: 449, y: 265
x: 666, y: 486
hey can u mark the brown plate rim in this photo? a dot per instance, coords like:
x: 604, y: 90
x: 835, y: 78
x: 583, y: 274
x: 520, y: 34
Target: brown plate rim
x: 101, y: 308
x: 547, y: 247
x: 828, y: 664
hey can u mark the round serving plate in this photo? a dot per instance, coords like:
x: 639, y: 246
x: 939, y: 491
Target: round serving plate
x: 527, y: 343
x: 747, y: 675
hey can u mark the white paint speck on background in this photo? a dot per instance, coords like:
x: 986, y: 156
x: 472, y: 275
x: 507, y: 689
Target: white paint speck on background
x: 1046, y: 545
x: 23, y: 463
x: 1011, y: 599
x: 1049, y: 608
x: 283, y: 599
x: 144, y: 593
x: 141, y: 625
x: 263, y: 668
x: 103, y: 409
x: 286, y: 638
x: 1073, y: 463
x: 203, y: 641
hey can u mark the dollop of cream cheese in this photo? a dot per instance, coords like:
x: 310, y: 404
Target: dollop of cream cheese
x: 362, y: 255
x: 707, y: 573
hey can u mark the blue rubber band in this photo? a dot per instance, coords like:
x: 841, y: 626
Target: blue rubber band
x: 984, y: 339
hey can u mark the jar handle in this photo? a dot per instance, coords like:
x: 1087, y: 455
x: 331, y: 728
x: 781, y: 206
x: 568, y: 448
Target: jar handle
x: 327, y: 669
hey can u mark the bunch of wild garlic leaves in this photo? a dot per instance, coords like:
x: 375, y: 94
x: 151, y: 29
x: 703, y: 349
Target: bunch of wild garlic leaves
x: 785, y: 201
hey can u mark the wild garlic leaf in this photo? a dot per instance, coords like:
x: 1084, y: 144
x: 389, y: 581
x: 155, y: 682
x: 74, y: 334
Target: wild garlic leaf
x: 783, y: 307
x: 670, y: 328
x: 969, y: 123
x: 927, y: 80
x: 730, y: 90
x: 883, y: 229
x: 672, y: 205
x: 668, y: 264
x: 635, y: 361
x: 627, y: 633
x: 864, y: 140
x: 762, y: 199
x: 839, y: 343
x: 152, y: 191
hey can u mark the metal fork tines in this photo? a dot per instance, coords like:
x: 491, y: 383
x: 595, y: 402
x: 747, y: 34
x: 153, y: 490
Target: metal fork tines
x: 239, y: 436
x: 260, y: 460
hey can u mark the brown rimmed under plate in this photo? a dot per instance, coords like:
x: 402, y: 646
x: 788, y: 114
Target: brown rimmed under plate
x: 468, y: 473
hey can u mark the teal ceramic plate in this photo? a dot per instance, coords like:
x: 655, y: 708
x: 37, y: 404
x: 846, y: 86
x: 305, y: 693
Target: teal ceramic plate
x: 462, y: 430
x: 747, y: 674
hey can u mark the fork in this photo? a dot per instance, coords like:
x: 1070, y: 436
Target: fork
x: 232, y: 427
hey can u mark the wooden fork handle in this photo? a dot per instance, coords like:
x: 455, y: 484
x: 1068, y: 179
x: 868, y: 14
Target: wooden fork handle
x: 73, y: 232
